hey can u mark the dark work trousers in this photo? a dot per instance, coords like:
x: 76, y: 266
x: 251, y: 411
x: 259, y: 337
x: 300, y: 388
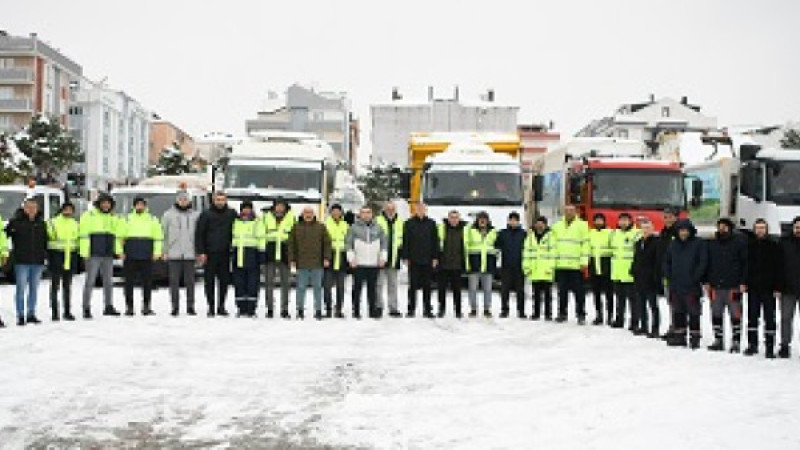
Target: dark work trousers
x: 756, y: 301
x: 181, y: 268
x: 602, y: 287
x: 217, y: 268
x: 571, y: 280
x: 246, y: 281
x: 419, y: 278
x: 334, y: 278
x: 368, y: 276
x: 686, y: 308
x: 141, y: 269
x: 647, y: 299
x: 542, y: 292
x: 512, y: 280
x: 626, y: 299
x: 449, y: 279
x: 62, y: 278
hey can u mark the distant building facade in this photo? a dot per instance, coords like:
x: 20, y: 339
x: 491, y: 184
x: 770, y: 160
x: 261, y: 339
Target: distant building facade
x: 164, y: 133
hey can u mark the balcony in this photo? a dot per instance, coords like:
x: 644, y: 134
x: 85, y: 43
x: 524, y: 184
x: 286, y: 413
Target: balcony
x: 16, y: 105
x: 16, y: 75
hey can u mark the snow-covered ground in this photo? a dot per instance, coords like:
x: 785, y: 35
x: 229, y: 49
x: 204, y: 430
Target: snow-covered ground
x: 162, y: 382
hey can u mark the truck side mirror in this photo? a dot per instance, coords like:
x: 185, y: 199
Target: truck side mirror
x: 538, y: 188
x: 697, y: 190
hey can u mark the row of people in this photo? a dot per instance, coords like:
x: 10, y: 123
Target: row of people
x: 628, y: 267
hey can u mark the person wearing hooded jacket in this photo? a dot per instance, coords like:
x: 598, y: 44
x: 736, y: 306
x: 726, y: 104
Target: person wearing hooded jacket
x: 790, y: 289
x: 367, y: 253
x: 28, y: 233
x: 392, y: 226
x: 452, y: 261
x: 538, y: 264
x: 179, y: 227
x: 62, y: 257
x: 665, y: 236
x: 510, y: 243
x: 248, y: 242
x: 100, y: 233
x: 481, y: 262
x: 278, y: 223
x: 570, y: 237
x: 684, y: 268
x: 212, y: 244
x: 336, y: 273
x: 726, y: 282
x: 764, y: 278
x: 142, y: 241
x: 623, y: 242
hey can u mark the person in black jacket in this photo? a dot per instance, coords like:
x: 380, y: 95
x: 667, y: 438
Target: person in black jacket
x: 763, y: 283
x: 726, y: 282
x: 451, y: 261
x: 790, y: 290
x: 645, y: 269
x: 510, y: 242
x: 420, y: 252
x: 684, y: 268
x: 667, y: 235
x: 29, y: 237
x: 213, y: 236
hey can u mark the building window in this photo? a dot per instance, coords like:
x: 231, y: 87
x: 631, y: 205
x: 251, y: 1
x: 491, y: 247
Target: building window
x: 623, y: 133
x: 665, y: 111
x: 5, y: 122
x: 6, y: 63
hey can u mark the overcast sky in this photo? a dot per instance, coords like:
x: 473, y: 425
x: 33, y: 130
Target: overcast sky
x: 207, y: 65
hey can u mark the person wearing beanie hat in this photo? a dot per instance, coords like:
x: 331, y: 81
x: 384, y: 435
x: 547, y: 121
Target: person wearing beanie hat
x: 510, y: 243
x: 336, y: 272
x: 726, y: 282
x: 62, y: 245
x: 600, y: 268
x: 481, y: 262
x: 248, y: 244
x: 142, y: 242
x: 684, y: 268
x: 179, y: 226
x: 277, y: 223
x: 101, y: 233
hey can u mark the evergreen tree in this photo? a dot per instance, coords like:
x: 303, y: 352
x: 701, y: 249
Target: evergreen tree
x: 382, y: 183
x: 171, y: 161
x: 48, y: 145
x: 791, y: 139
x: 14, y: 166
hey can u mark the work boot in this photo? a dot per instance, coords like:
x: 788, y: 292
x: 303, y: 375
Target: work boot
x: 676, y: 340
x: 110, y: 311
x: 598, y: 320
x: 618, y: 323
x: 87, y: 314
x: 339, y: 314
x: 285, y: 314
x: 504, y: 314
x: 717, y: 345
x: 68, y: 316
x: 395, y: 314
x: 752, y: 349
x: 784, y: 351
x: 473, y: 314
x: 561, y: 319
x: 301, y: 315
x: 487, y: 314
x: 129, y: 311
x: 318, y: 315
x: 694, y: 343
x: 735, y: 347
x: 20, y: 321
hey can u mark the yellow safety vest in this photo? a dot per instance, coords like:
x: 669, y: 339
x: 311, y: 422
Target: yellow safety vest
x: 480, y: 244
x: 62, y: 235
x: 571, y: 244
x: 337, y: 231
x: 624, y: 244
x: 247, y: 234
x: 538, y: 257
x: 278, y: 232
x: 398, y: 236
x: 600, y: 246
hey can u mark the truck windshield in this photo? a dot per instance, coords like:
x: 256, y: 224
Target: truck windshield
x: 157, y: 203
x: 783, y: 182
x: 472, y: 188
x: 288, y: 178
x: 10, y: 202
x: 638, y: 189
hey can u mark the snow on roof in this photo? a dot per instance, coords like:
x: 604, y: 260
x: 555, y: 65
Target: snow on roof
x: 780, y: 154
x: 462, y: 136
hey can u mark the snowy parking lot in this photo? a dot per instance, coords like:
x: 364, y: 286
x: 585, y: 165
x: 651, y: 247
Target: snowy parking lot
x: 194, y: 382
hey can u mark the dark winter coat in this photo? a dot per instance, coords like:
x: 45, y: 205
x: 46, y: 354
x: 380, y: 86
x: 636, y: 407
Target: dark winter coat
x: 29, y: 238
x: 667, y: 235
x: 764, y: 267
x: 646, y: 267
x: 452, y: 256
x: 420, y: 241
x: 214, y: 230
x: 790, y: 250
x: 727, y: 261
x: 309, y: 244
x: 510, y: 242
x: 686, y: 262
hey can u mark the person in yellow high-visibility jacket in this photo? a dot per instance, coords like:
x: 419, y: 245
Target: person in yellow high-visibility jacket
x: 62, y: 246
x: 142, y: 239
x: 571, y: 243
x: 538, y: 261
x: 481, y: 262
x: 337, y: 272
x: 277, y: 223
x: 393, y: 227
x: 623, y: 243
x: 248, y: 244
x: 600, y: 268
x: 100, y: 232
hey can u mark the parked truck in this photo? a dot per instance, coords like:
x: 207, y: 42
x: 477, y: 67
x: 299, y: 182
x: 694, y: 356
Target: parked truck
x: 296, y: 167
x: 741, y: 180
x: 467, y: 172
x: 610, y: 176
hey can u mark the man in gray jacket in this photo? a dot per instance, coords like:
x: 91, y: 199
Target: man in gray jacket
x: 366, y: 251
x: 178, y: 225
